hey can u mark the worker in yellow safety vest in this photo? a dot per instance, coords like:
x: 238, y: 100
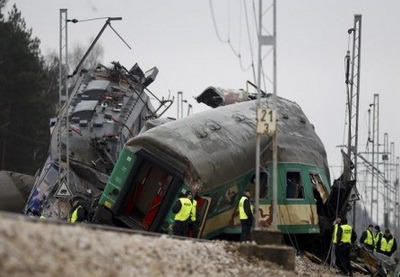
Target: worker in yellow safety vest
x: 345, y: 236
x: 245, y: 215
x: 193, y: 222
x: 387, y: 244
x: 182, y: 209
x: 367, y: 238
x: 77, y: 212
x: 378, y: 234
x: 336, y: 223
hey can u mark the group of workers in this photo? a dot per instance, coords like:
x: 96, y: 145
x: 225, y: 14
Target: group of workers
x: 186, y: 223
x: 372, y: 239
x: 185, y: 210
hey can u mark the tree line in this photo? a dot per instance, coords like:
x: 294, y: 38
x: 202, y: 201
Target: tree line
x: 28, y: 94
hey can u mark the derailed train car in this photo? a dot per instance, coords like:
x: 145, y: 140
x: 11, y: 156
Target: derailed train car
x: 107, y: 106
x: 213, y: 155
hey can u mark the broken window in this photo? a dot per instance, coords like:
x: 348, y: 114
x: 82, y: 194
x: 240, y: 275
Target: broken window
x: 294, y: 185
x: 263, y: 185
x: 318, y: 187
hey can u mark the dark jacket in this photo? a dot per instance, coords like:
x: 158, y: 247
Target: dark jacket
x: 247, y: 210
x: 388, y: 238
x: 364, y: 235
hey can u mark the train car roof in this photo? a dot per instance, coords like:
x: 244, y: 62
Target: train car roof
x: 219, y: 144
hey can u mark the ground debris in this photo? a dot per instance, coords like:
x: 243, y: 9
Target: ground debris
x: 41, y: 248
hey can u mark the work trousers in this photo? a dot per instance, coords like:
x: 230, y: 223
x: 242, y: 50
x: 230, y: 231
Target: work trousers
x: 246, y: 230
x: 181, y: 228
x: 343, y: 258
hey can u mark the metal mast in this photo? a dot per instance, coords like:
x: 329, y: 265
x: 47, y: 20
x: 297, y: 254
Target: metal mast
x: 392, y: 193
x: 266, y: 127
x: 375, y: 152
x: 396, y: 185
x: 63, y: 120
x: 386, y: 183
x: 179, y: 103
x: 353, y: 103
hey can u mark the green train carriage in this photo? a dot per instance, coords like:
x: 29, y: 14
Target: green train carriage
x: 213, y: 154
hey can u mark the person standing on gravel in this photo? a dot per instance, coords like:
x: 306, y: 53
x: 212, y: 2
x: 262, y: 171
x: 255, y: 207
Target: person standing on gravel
x: 182, y: 209
x: 367, y: 238
x: 345, y: 236
x: 245, y: 215
x: 387, y: 244
x: 378, y: 234
x: 193, y: 222
x: 77, y: 212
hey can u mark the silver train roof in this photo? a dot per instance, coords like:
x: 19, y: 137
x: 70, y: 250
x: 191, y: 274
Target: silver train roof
x: 219, y: 144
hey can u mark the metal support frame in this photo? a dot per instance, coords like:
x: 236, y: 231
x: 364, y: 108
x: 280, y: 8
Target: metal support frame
x: 63, y: 119
x: 353, y: 104
x: 270, y: 41
x: 179, y: 105
x: 386, y: 183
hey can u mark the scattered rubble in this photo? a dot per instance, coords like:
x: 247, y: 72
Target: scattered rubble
x: 32, y: 248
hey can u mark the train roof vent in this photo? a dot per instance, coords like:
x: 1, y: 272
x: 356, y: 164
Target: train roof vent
x: 284, y: 116
x: 239, y: 117
x: 98, y: 123
x: 83, y: 123
x: 75, y: 119
x: 212, y: 125
x: 201, y: 133
x: 302, y: 119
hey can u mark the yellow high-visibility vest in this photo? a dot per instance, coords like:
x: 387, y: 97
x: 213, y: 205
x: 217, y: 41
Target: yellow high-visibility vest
x: 74, y: 216
x: 194, y: 210
x: 346, y: 235
x: 386, y: 246
x: 377, y: 237
x: 334, y: 235
x: 242, y: 213
x: 369, y: 240
x: 184, y: 212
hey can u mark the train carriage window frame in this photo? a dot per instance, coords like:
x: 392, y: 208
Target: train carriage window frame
x: 294, y: 188
x: 147, y: 159
x: 318, y: 186
x: 264, y: 190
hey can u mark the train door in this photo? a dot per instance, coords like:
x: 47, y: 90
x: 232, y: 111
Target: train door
x: 147, y: 192
x: 203, y: 207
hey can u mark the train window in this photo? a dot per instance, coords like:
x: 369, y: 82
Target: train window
x: 263, y: 185
x: 318, y: 187
x: 294, y: 185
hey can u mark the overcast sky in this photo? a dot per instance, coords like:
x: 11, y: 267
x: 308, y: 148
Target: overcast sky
x: 179, y: 37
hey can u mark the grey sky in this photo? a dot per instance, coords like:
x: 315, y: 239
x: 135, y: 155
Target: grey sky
x: 178, y: 36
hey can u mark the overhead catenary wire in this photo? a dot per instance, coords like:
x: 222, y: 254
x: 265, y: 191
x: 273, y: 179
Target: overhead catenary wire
x: 237, y: 53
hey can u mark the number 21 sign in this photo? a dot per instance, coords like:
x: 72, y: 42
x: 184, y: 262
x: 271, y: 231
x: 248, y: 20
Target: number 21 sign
x: 266, y: 121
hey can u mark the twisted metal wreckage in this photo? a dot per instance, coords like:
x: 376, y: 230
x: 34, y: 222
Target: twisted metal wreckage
x: 110, y: 105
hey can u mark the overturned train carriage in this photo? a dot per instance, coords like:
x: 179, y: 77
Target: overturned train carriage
x: 213, y: 154
x: 107, y: 106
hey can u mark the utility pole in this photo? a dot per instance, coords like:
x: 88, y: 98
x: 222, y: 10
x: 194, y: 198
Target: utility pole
x: 63, y: 119
x: 397, y: 191
x: 375, y: 152
x: 179, y: 105
x: 353, y: 100
x: 266, y: 119
x: 386, y: 183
